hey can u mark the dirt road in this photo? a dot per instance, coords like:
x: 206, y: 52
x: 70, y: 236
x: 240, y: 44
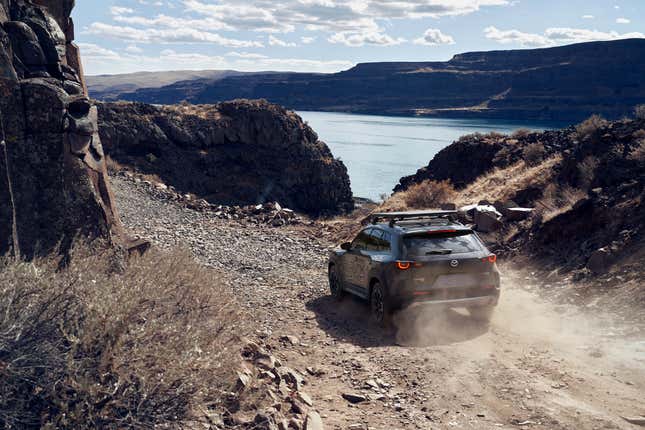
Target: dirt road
x: 539, y: 365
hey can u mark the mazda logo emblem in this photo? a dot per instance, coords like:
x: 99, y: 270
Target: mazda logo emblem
x: 454, y: 263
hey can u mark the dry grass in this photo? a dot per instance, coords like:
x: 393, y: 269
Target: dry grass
x: 639, y: 112
x: 589, y: 128
x: 425, y: 195
x: 87, y: 347
x: 522, y: 132
x: 533, y: 154
x: 502, y: 184
x: 638, y: 152
x: 113, y: 166
x: 557, y: 200
x: 587, y: 171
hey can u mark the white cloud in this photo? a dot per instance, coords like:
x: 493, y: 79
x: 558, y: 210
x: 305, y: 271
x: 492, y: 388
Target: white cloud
x: 515, y: 36
x: 555, y: 36
x: 118, y: 10
x: 366, y: 38
x: 247, y: 55
x: 100, y: 60
x: 306, y: 40
x: 274, y: 41
x: 433, y: 37
x: 154, y: 35
x: 133, y: 49
x: 588, y: 17
x: 622, y: 21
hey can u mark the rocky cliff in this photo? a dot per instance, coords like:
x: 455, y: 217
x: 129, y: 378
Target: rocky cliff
x: 585, y: 183
x: 239, y: 152
x: 53, y: 180
x: 562, y: 83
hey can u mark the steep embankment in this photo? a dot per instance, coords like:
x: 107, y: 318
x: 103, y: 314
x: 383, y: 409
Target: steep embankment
x: 523, y: 84
x: 240, y: 152
x: 587, y: 185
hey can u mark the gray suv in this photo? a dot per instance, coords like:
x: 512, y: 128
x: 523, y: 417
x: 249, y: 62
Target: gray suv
x: 406, y: 259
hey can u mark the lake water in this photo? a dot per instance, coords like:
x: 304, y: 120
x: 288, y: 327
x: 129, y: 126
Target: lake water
x: 379, y: 150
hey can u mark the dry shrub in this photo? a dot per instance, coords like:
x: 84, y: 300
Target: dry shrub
x: 113, y: 166
x: 533, y: 154
x: 557, y: 200
x: 88, y: 348
x: 429, y: 194
x: 587, y: 171
x: 639, y: 112
x: 590, y: 127
x: 522, y: 132
x: 637, y: 152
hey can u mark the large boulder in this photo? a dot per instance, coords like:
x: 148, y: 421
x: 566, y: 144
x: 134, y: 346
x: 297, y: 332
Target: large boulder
x: 53, y: 178
x: 234, y: 153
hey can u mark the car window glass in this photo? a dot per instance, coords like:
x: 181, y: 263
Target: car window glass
x: 373, y: 240
x: 360, y: 243
x: 420, y: 246
x: 379, y: 241
x: 386, y: 242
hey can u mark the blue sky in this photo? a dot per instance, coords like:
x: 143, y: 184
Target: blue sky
x: 120, y: 36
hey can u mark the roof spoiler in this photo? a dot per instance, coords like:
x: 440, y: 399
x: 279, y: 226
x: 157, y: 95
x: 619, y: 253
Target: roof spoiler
x: 394, y: 217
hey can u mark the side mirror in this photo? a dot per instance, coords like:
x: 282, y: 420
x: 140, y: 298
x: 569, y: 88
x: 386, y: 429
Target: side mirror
x: 347, y: 246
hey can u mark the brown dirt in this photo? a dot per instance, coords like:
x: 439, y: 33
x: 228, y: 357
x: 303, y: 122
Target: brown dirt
x: 540, y: 365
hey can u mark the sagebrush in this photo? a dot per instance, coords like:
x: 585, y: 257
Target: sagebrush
x: 429, y: 194
x: 85, y: 347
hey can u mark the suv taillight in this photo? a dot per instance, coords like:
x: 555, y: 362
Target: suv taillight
x: 405, y: 265
x: 490, y: 259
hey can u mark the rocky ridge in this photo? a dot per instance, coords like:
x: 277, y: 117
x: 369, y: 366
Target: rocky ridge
x: 512, y: 84
x: 234, y: 153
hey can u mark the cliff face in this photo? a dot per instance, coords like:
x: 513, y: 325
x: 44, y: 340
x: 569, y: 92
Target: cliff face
x: 240, y: 152
x: 53, y: 180
x: 563, y: 83
x: 587, y: 185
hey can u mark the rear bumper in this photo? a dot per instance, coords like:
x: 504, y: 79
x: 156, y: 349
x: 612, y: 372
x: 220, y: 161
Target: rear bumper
x: 472, y: 302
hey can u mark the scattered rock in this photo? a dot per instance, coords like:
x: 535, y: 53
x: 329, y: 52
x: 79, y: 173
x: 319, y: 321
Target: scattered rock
x: 638, y: 421
x: 600, y: 261
x: 313, y: 421
x: 354, y: 398
x: 487, y: 220
x: 517, y: 214
x: 293, y: 340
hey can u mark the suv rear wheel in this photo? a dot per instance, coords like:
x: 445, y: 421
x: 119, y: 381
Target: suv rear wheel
x: 483, y: 314
x: 335, y: 284
x: 381, y: 312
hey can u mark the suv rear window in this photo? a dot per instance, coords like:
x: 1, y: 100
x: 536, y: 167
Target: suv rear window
x: 450, y: 243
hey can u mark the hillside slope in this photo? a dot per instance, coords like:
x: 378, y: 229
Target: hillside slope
x: 587, y: 185
x: 521, y: 84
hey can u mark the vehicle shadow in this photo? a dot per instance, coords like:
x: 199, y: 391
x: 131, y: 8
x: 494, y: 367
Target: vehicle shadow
x: 349, y: 321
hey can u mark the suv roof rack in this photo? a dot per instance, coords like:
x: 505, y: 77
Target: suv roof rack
x: 421, y: 216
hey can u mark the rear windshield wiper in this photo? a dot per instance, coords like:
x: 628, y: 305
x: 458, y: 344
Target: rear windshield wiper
x: 439, y: 252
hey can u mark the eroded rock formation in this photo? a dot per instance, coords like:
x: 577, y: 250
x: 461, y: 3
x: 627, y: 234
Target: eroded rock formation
x: 53, y: 180
x: 234, y: 153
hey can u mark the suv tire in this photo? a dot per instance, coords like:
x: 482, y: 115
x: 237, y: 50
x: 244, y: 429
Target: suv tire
x: 335, y: 284
x: 379, y: 306
x: 483, y: 314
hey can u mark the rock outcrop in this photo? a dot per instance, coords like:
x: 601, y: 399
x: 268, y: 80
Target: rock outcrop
x: 586, y: 185
x: 234, y: 153
x: 53, y: 178
x: 476, y: 154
